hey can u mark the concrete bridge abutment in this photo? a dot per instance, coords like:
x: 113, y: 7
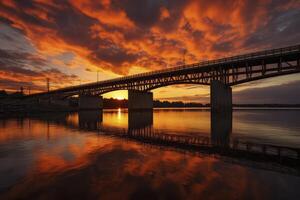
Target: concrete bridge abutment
x: 138, y: 100
x: 90, y: 102
x: 220, y: 97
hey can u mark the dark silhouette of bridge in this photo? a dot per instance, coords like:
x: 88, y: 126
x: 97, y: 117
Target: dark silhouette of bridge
x: 220, y: 74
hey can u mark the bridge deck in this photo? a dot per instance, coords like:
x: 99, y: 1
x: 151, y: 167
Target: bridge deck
x: 291, y: 53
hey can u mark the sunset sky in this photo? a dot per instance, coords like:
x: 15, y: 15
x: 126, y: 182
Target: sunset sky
x: 69, y: 41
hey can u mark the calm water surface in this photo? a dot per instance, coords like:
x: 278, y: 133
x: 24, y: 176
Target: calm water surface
x: 86, y: 155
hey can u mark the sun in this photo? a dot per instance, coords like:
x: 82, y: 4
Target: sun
x: 119, y: 97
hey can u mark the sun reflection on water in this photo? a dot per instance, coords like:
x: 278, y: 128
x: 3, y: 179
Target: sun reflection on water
x: 119, y: 113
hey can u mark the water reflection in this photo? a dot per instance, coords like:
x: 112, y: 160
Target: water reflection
x: 140, y: 128
x: 121, y: 155
x: 221, y: 128
x: 90, y: 120
x: 140, y: 122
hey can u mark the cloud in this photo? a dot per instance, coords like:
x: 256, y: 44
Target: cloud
x: 284, y: 93
x: 16, y: 85
x: 146, y: 31
x: 287, y: 93
x: 282, y: 29
x: 120, y: 36
x: 24, y: 69
x: 142, y: 13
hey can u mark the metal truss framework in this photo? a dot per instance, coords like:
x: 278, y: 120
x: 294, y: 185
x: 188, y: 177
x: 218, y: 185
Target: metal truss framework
x: 231, y: 71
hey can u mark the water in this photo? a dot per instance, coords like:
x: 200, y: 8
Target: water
x: 145, y: 155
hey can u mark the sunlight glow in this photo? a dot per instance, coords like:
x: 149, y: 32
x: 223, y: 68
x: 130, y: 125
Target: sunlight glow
x: 120, y: 95
x: 119, y: 114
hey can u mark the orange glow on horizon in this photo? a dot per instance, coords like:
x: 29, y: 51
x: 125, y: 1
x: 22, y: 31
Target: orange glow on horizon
x: 120, y: 95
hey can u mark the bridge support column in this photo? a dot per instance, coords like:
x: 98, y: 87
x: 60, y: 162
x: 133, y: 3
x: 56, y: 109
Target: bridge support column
x: 220, y: 97
x: 89, y: 102
x: 138, y: 100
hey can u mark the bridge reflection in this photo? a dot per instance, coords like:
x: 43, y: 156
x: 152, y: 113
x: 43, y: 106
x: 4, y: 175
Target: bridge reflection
x: 221, y: 127
x: 219, y: 144
x: 90, y: 120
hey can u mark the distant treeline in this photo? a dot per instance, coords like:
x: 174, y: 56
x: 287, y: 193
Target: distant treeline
x: 115, y: 103
x: 168, y: 104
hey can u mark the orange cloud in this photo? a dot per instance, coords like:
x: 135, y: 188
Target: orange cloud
x: 118, y: 36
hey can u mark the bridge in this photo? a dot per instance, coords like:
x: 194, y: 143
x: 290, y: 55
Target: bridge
x: 220, y: 74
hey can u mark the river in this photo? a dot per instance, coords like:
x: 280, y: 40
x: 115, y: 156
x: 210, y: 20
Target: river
x: 164, y: 154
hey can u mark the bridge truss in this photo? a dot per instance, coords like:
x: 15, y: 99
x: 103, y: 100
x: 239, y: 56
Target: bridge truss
x: 231, y: 71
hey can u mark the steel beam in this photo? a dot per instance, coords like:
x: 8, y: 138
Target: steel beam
x: 231, y: 71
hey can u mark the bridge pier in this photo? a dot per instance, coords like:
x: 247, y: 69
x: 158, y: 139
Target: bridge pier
x: 138, y: 100
x: 89, y: 102
x: 220, y: 97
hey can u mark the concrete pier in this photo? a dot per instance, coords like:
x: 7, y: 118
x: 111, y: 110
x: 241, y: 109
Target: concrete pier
x: 138, y: 100
x: 89, y: 102
x: 220, y: 97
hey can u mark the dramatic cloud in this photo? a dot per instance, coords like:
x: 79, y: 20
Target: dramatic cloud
x: 121, y: 37
x: 279, y: 94
x: 21, y: 69
x: 285, y: 93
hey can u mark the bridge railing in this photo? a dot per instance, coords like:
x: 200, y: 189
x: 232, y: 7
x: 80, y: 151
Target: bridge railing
x: 237, y: 58
x: 216, y: 61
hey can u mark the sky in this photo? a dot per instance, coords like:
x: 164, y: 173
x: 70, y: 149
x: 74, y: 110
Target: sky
x: 70, y: 42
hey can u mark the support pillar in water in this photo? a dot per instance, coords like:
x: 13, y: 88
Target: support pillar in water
x: 138, y: 100
x: 89, y: 102
x: 220, y: 97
